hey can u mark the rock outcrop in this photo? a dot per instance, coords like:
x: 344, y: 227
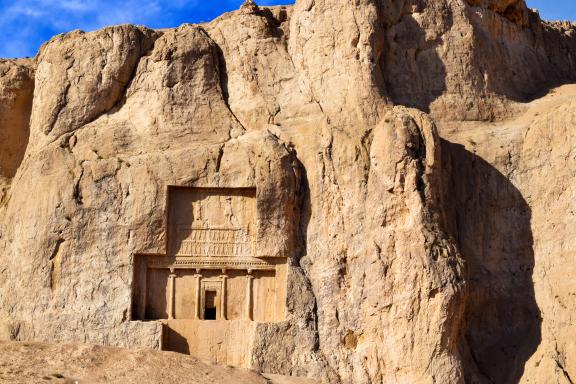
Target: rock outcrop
x: 426, y: 226
x: 17, y: 85
x: 515, y: 11
x: 474, y: 60
x: 510, y: 183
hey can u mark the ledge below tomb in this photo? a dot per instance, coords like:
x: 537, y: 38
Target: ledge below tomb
x: 220, y: 341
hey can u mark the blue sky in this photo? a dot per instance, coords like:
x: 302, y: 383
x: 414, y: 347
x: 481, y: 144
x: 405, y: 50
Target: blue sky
x: 26, y: 24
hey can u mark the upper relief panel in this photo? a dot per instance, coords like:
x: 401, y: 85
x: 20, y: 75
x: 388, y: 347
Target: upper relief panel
x: 212, y: 222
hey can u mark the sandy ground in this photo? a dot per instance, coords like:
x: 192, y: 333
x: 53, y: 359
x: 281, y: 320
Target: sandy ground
x: 77, y: 363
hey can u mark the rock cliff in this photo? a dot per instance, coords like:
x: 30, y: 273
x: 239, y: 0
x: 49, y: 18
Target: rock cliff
x: 405, y: 159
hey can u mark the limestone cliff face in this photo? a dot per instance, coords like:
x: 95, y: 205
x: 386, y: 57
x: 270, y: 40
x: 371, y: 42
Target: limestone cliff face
x: 512, y: 219
x: 413, y: 256
x: 17, y: 84
x: 468, y: 60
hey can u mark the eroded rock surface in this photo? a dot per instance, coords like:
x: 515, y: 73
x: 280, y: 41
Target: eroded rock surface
x: 472, y: 60
x: 16, y: 92
x: 411, y: 256
x: 510, y: 181
x: 81, y: 75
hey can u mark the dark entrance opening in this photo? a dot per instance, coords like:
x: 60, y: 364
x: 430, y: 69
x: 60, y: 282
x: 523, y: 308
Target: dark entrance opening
x: 210, y: 305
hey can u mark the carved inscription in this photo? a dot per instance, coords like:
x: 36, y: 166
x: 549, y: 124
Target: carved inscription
x: 210, y: 242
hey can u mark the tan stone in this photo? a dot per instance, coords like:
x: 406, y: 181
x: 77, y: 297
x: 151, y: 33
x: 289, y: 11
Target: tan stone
x: 513, y: 10
x: 269, y: 169
x: 513, y: 187
x: 16, y: 92
x: 465, y: 60
x: 249, y: 6
x: 83, y: 75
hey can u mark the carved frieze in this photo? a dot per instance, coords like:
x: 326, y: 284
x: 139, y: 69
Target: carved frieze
x: 214, y: 242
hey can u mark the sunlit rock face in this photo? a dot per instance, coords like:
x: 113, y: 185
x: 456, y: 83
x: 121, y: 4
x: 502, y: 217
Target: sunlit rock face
x: 358, y: 192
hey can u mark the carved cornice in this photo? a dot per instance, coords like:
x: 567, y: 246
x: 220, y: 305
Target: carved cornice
x: 184, y: 262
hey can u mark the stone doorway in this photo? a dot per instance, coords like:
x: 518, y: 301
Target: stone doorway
x: 212, y: 303
x: 210, y: 311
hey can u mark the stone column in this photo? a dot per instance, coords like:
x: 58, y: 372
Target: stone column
x: 223, y: 296
x: 171, y: 296
x: 143, y: 292
x: 198, y: 277
x: 248, y: 309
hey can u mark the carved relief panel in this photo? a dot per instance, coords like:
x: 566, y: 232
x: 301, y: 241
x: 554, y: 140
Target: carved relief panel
x: 211, y: 222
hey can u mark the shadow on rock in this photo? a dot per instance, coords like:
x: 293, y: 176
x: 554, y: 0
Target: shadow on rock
x: 491, y: 224
x: 174, y: 341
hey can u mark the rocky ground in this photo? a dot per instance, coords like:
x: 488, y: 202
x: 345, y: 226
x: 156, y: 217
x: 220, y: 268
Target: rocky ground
x: 28, y: 363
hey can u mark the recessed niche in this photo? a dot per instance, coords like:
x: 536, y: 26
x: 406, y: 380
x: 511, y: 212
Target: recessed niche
x: 209, y: 272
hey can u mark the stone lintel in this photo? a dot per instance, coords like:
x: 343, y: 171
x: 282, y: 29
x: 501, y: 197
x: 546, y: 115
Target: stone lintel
x: 156, y: 261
